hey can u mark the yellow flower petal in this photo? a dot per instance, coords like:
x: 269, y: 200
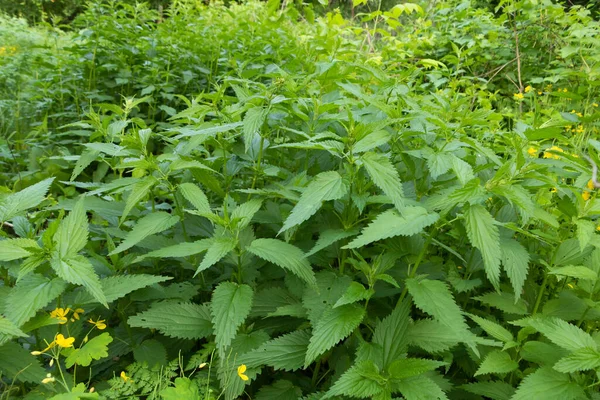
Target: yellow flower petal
x: 240, y: 371
x: 64, y: 342
x: 125, y: 377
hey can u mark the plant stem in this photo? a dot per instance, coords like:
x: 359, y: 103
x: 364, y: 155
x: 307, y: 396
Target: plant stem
x: 413, y: 270
x: 540, y: 294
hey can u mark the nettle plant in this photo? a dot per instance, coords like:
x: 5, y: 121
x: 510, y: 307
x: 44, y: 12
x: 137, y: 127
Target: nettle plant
x: 312, y: 226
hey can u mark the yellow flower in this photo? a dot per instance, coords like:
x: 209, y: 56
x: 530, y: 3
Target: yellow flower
x: 518, y: 96
x: 76, y: 313
x: 598, y: 228
x: 565, y: 90
x: 48, y: 379
x: 555, y: 149
x: 590, y: 185
x: 532, y: 152
x: 99, y: 323
x: 586, y: 195
x: 125, y: 377
x: 240, y: 371
x: 539, y: 92
x: 60, y: 314
x: 553, y: 190
x: 64, y: 342
x: 595, y: 104
x: 548, y: 88
x: 528, y: 89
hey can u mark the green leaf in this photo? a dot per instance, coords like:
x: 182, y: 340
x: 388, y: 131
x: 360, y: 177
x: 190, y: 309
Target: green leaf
x: 432, y: 336
x: 355, y: 292
x: 497, y: 362
x: 391, y: 333
x: 79, y: 270
x: 361, y: 380
x: 580, y: 360
x: 493, y: 329
x: 434, y: 298
x: 244, y: 213
x: 563, y: 334
x: 585, y: 231
x: 384, y: 175
x: 420, y: 388
x: 371, y: 141
x: 77, y: 393
x: 177, y: 320
x: 31, y: 294
x: 30, y: 197
x: 253, y: 121
x: 329, y: 237
x: 184, y: 389
x: 279, y: 390
x: 330, y: 287
x: 284, y: 255
x: 495, y: 390
x: 138, y: 191
x: 547, y: 384
x: 95, y: 349
x: 146, y: 226
x: 230, y: 305
x: 286, y: 352
x: 152, y: 352
x: 575, y: 271
x: 408, y: 367
x: 115, y: 287
x: 218, y: 249
x: 335, y: 325
x: 17, y: 364
x: 483, y: 235
x: 8, y: 330
x: 323, y: 187
x: 183, y: 249
x: 196, y: 197
x: 389, y: 224
x: 439, y: 163
x: 515, y: 259
x: 13, y: 249
x: 503, y: 301
x: 72, y: 233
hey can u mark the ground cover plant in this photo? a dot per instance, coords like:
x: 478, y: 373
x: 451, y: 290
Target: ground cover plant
x: 264, y: 201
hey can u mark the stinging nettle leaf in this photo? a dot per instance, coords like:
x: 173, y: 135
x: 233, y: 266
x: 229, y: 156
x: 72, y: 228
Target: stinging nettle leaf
x: 13, y: 249
x: 547, y: 384
x: 483, y: 235
x: 139, y: 190
x: 285, y: 255
x: 31, y: 294
x: 177, y: 320
x: 79, y: 270
x: 497, y: 362
x: 323, y: 187
x: 230, y: 305
x: 30, y: 197
x: 286, y: 352
x: 195, y: 196
x: 253, y: 122
x: 515, y: 259
x: 219, y: 248
x: 146, y: 226
x: 361, y: 380
x: 384, y: 175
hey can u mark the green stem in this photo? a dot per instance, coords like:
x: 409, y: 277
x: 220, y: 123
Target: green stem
x: 413, y: 270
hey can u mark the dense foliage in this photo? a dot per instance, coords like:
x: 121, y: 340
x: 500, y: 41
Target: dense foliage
x: 251, y: 201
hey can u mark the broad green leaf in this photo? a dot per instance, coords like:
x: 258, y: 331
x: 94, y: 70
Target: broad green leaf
x: 329, y: 237
x: 79, y: 270
x: 585, y: 231
x: 17, y: 364
x: 434, y: 298
x: 432, y: 336
x: 408, y: 367
x: 323, y: 187
x: 361, y: 380
x: 420, y: 388
x: 335, y: 324
x: 152, y: 352
x: 438, y: 164
x: 196, y: 197
x: 355, y: 292
x: 284, y: 255
x: 13, y: 249
x: 286, y: 352
x: 85, y: 159
x: 547, y: 384
x: 78, y: 392
x: 391, y: 333
x: 372, y: 140
x: 138, y: 191
x: 115, y: 287
x: 210, y: 131
x: 230, y: 305
x: 8, y: 330
x: 330, y: 287
x: 146, y: 226
x: 497, y: 362
x: 575, y: 271
x: 253, y: 122
x: 31, y: 294
x: 183, y: 249
x: 495, y: 390
x: 483, y: 235
x: 72, y: 233
x: 95, y: 349
x: 515, y: 259
x: 563, y: 334
x: 30, y: 197
x: 184, y: 389
x: 244, y: 212
x: 219, y: 248
x: 389, y: 224
x: 384, y: 175
x: 582, y: 359
x: 504, y: 301
x: 493, y: 329
x: 279, y: 390
x: 569, y: 253
x: 177, y: 320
